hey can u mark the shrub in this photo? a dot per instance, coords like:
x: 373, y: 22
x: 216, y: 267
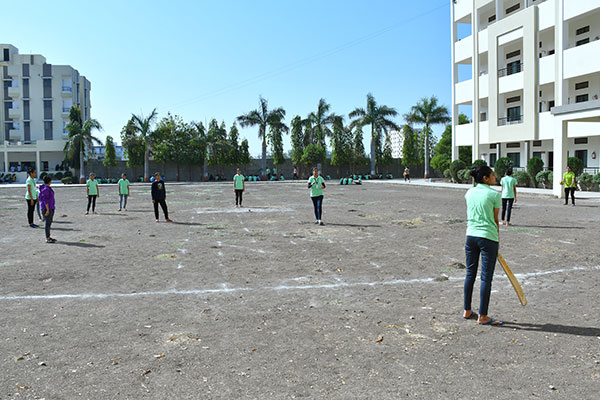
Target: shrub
x: 502, y: 164
x: 596, y: 178
x: 68, y: 174
x: 586, y: 181
x: 576, y: 165
x: 479, y: 163
x: 42, y: 175
x: 59, y: 175
x: 523, y: 178
x: 534, y: 166
x: 544, y: 178
x: 464, y: 176
x: 447, y: 173
x: 67, y: 180
x: 456, y: 166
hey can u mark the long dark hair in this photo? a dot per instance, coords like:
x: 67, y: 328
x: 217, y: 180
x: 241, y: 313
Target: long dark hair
x: 478, y: 173
x: 30, y: 171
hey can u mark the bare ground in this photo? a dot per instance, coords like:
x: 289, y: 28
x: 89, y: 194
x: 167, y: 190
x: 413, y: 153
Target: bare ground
x: 260, y: 303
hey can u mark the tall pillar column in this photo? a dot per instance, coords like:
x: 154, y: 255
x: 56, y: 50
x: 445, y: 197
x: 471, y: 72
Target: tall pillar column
x: 560, y: 156
x: 38, y: 164
x: 453, y: 35
x: 527, y: 148
x: 475, y: 74
x: 6, y: 166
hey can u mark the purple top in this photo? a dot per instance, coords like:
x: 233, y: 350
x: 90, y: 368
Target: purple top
x: 46, y: 197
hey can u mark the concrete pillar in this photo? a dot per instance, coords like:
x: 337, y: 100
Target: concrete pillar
x: 453, y: 35
x: 38, y: 164
x: 498, y: 150
x: 527, y: 148
x: 6, y: 166
x: 475, y: 73
x: 499, y: 10
x: 560, y: 156
x: 560, y: 34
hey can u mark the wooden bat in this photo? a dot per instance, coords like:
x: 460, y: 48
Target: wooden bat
x: 513, y: 280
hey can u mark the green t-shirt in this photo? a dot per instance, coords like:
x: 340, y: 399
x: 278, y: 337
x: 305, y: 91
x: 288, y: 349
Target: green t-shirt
x: 268, y: 171
x: 481, y: 202
x: 317, y: 186
x: 569, y: 179
x: 239, y: 181
x: 123, y: 186
x: 274, y: 171
x: 92, y: 186
x: 31, y: 185
x: 508, y: 187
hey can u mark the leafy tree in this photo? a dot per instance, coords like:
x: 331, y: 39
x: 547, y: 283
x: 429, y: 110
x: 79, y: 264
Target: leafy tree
x: 319, y: 123
x: 263, y: 118
x: 410, y: 147
x: 501, y: 166
x: 359, y: 158
x: 298, y: 141
x: 244, y: 153
x: 275, y: 136
x: 143, y: 126
x: 234, y: 151
x: 455, y: 167
x: 386, y: 157
x: 427, y: 112
x: 110, y: 155
x: 80, y: 139
x: 534, y: 166
x: 465, y: 154
x: 219, y: 147
x: 378, y: 117
x: 197, y: 146
x: 172, y: 139
x: 134, y: 145
x: 341, y: 143
x: 576, y: 165
x: 443, y: 151
x: 313, y: 154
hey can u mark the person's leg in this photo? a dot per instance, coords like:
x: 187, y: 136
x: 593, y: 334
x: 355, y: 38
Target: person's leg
x: 94, y: 203
x: 504, y: 202
x: 89, y: 203
x: 573, y: 196
x: 489, y: 255
x: 37, y: 209
x: 155, y: 203
x: 125, y: 196
x: 30, y: 209
x: 49, y: 219
x: 472, y: 259
x: 120, y: 202
x: 315, y: 207
x: 320, y: 207
x: 163, y: 205
x: 508, y: 209
x: 241, y: 197
x: 566, y: 196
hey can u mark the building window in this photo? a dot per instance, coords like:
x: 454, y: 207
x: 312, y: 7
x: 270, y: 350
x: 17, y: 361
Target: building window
x: 513, y: 54
x: 47, y: 109
x: 515, y: 158
x: 47, y: 70
x: 25, y: 88
x: 47, y: 88
x: 551, y: 104
x: 513, y: 99
x: 26, y: 113
x: 492, y: 146
x: 537, y: 154
x: 513, y: 114
x: 537, y: 143
x: 27, y: 131
x: 44, y: 165
x: 513, y: 145
x: 493, y: 158
x: 25, y: 69
x: 6, y: 55
x: 550, y: 52
x: 582, y: 140
x: 583, y: 30
x: 582, y: 85
x: 483, y: 116
x: 581, y: 98
x: 513, y: 8
x: 582, y: 155
x: 582, y: 41
x: 514, y: 67
x: 48, y: 130
x: 492, y: 18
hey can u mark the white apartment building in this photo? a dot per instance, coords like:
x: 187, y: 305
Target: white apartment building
x: 528, y: 72
x: 397, y: 139
x: 37, y: 97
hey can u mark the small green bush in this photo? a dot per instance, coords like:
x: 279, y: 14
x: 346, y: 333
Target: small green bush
x: 447, y: 173
x: 502, y: 164
x: 68, y: 174
x: 534, y: 166
x: 576, y: 165
x: 523, y: 178
x: 596, y: 178
x: 42, y: 175
x: 544, y: 178
x: 67, y: 180
x: 456, y: 166
x: 479, y: 163
x: 464, y: 176
x: 586, y: 181
x: 59, y: 175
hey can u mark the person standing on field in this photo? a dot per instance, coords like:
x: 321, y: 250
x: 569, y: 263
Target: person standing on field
x: 159, y: 196
x: 509, y: 195
x: 48, y: 206
x: 31, y: 196
x: 123, y: 192
x: 406, y: 175
x: 316, y: 184
x: 570, y: 181
x: 93, y: 191
x: 239, y: 187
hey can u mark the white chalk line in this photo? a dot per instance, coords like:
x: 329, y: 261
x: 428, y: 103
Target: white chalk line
x: 243, y: 210
x: 226, y: 289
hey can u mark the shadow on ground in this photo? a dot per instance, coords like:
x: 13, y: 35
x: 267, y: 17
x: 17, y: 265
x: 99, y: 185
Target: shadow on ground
x: 553, y: 328
x: 80, y: 244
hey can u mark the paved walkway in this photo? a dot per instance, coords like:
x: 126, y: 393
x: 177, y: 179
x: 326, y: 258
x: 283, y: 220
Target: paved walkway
x: 464, y: 186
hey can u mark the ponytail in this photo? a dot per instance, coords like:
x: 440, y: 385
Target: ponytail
x: 478, y: 173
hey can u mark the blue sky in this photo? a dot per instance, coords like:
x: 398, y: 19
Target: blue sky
x: 212, y: 59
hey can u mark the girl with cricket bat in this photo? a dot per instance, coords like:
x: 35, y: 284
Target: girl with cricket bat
x: 483, y: 205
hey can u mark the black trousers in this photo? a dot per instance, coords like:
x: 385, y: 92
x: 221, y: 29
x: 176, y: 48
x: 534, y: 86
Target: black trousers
x: 49, y: 219
x: 30, y: 211
x: 92, y: 202
x: 507, y: 208
x: 163, y: 205
x: 572, y: 190
x: 318, y: 206
x: 238, y: 196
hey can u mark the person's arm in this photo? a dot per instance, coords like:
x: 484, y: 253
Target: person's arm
x: 128, y: 190
x: 323, y: 184
x: 515, y: 193
x: 47, y: 210
x: 97, y: 190
x: 243, y: 185
x: 496, y: 211
x: 153, y: 192
x: 309, y: 183
x: 30, y: 194
x: 87, y: 190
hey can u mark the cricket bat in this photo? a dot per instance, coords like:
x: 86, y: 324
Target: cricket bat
x: 513, y: 280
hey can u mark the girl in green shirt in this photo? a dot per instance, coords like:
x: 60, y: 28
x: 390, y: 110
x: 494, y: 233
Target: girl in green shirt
x: 93, y: 191
x: 31, y: 196
x: 483, y: 205
x: 316, y: 184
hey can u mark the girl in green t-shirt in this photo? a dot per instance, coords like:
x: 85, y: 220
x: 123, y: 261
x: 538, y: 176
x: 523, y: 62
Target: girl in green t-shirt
x: 93, y: 191
x: 509, y: 195
x: 31, y: 196
x: 483, y: 205
x: 316, y: 184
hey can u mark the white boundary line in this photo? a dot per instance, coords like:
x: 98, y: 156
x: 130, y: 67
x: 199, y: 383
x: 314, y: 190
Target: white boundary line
x: 225, y: 289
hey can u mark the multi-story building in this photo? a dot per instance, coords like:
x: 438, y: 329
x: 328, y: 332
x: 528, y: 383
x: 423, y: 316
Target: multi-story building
x: 37, y: 98
x: 528, y: 73
x: 99, y: 152
x: 397, y: 139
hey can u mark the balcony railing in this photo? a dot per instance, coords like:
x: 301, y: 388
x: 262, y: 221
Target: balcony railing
x: 510, y: 121
x: 513, y: 69
x: 67, y: 89
x: 66, y: 109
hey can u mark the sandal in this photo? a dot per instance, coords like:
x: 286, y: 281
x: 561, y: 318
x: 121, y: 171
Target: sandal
x: 492, y: 322
x: 473, y: 315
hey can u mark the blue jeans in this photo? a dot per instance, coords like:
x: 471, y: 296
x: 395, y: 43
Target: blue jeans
x: 318, y: 206
x: 122, y: 201
x: 489, y: 254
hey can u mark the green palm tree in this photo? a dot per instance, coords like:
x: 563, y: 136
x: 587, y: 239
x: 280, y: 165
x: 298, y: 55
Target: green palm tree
x: 80, y: 137
x: 427, y: 112
x: 376, y: 116
x: 143, y: 125
x: 263, y: 118
x: 320, y: 122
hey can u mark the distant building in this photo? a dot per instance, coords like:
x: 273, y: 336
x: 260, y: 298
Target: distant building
x: 397, y: 139
x: 37, y: 98
x: 99, y: 151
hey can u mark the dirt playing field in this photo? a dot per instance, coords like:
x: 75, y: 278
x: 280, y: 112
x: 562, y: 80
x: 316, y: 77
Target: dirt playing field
x: 260, y: 303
